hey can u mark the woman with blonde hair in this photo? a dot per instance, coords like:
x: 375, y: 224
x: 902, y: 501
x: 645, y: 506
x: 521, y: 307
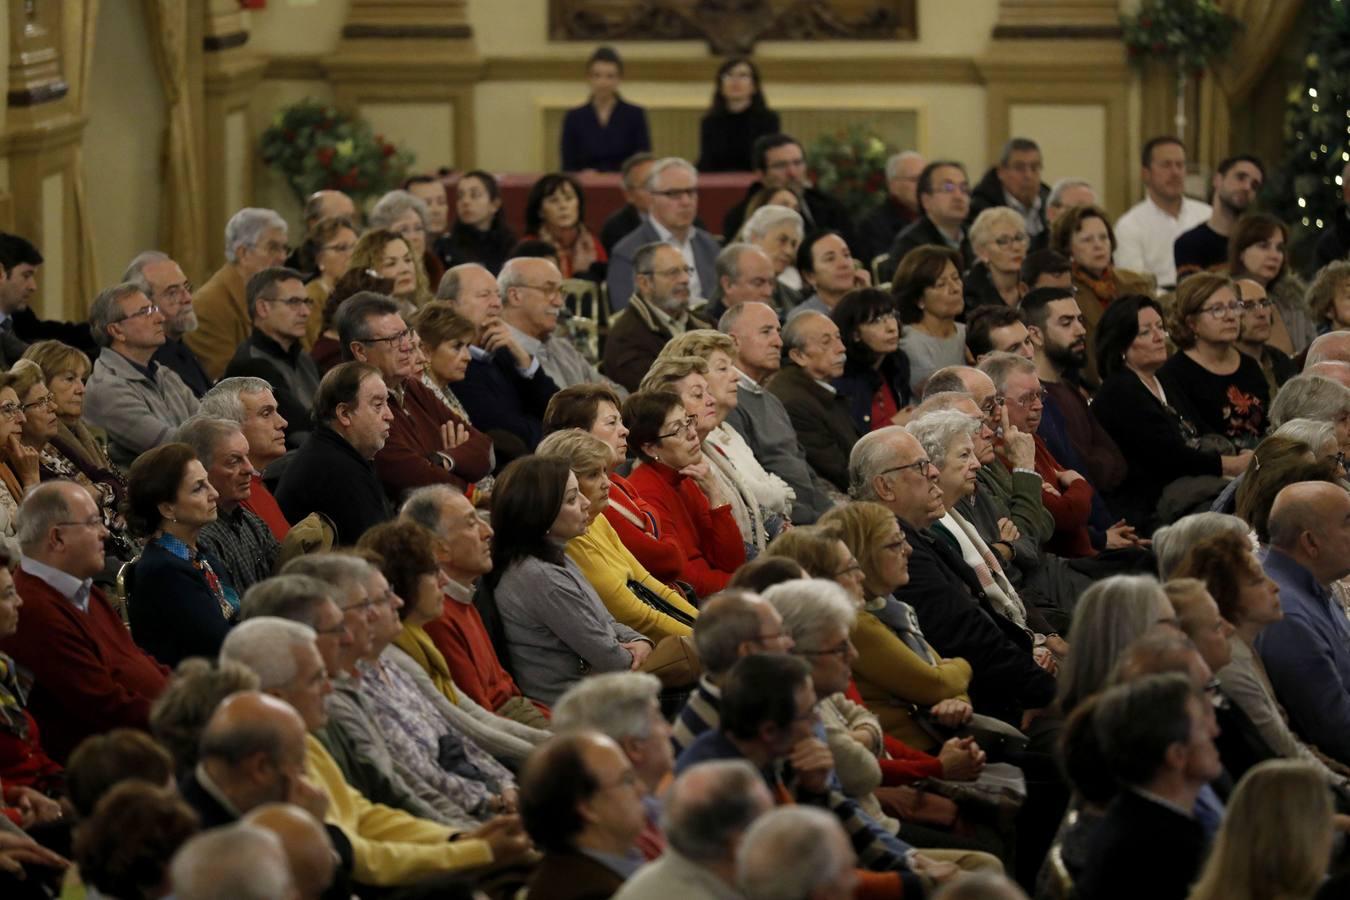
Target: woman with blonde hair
x: 999, y: 238
x: 329, y: 244
x: 406, y: 215
x: 388, y: 255
x: 1276, y: 838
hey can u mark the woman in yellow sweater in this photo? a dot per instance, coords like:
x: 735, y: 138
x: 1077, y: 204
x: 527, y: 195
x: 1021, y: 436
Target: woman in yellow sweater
x: 633, y: 596
x: 897, y: 672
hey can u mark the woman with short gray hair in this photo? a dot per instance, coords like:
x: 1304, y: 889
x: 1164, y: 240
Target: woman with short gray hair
x: 778, y: 231
x: 999, y: 238
x: 407, y: 216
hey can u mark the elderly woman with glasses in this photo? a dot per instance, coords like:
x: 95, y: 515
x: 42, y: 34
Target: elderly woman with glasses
x: 1212, y: 383
x: 19, y: 465
x: 630, y: 593
x: 672, y: 476
x: 778, y: 231
x: 1135, y: 409
x: 999, y: 238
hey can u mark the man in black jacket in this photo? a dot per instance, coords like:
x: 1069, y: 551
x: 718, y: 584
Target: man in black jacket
x: 813, y: 354
x: 781, y: 162
x: 944, y: 198
x: 1015, y: 183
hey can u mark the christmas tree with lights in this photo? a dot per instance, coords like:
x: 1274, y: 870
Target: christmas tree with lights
x: 1307, y: 188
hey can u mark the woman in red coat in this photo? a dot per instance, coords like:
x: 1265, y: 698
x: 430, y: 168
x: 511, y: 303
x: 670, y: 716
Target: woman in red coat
x: 673, y: 479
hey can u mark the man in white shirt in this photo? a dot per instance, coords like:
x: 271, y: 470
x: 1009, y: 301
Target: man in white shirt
x: 1145, y: 234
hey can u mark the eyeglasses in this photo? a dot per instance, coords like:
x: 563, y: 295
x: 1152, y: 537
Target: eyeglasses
x: 920, y: 466
x: 1249, y: 305
x: 275, y: 247
x: 951, y: 187
x: 1220, y: 312
x: 346, y: 247
x: 842, y: 650
x: 48, y: 401
x: 886, y: 316
x: 1028, y: 399
x: 1009, y: 240
x: 992, y: 405
x: 1338, y: 459
x: 293, y: 303
x: 896, y: 546
x: 548, y: 290
x: 339, y: 628
x: 848, y: 569
x: 686, y: 428
x: 143, y: 313
x: 10, y: 410
x: 395, y: 339
x: 94, y: 521
x: 673, y: 272
x: 677, y: 193
x: 1212, y: 688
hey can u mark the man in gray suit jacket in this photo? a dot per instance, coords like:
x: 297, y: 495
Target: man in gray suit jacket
x: 673, y: 184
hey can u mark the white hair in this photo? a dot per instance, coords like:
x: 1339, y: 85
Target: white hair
x: 998, y: 366
x: 246, y: 227
x: 936, y: 431
x: 1316, y: 433
x: 669, y: 162
x: 767, y: 218
x: 266, y: 646
x: 616, y: 704
x: 872, y: 453
x: 1066, y: 184
x: 1172, y: 542
x: 981, y: 230
x: 1334, y: 346
x: 812, y: 608
x: 1310, y: 397
x: 235, y: 862
x: 895, y: 160
x: 222, y: 401
x: 788, y: 853
x: 393, y: 205
x: 135, y: 273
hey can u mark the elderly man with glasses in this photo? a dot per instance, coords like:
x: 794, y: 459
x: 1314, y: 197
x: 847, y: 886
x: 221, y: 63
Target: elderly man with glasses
x: 138, y: 402
x: 658, y: 311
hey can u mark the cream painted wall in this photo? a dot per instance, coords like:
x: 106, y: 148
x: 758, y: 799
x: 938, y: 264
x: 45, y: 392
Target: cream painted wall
x: 269, y: 189
x: 427, y: 129
x: 1072, y: 139
x: 53, y: 243
x: 122, y: 144
x: 297, y: 27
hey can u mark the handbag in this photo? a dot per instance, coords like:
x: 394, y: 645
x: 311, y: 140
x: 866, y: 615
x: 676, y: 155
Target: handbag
x: 674, y: 660
x: 655, y: 601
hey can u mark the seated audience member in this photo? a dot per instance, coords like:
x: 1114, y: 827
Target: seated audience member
x: 1148, y: 230
x: 705, y: 813
x: 944, y: 199
x: 1236, y: 183
x: 1157, y: 737
x: 1277, y: 463
x: 827, y: 268
x: 123, y: 849
x: 626, y: 708
x: 1046, y: 268
x: 555, y: 626
x: 426, y: 442
x: 310, y: 853
x: 1083, y: 235
x: 274, y: 350
x: 1329, y: 311
x: 876, y: 378
x: 688, y: 376
x: 796, y: 853
x: 927, y: 292
x: 1308, y: 664
x: 555, y: 211
x: 778, y: 232
x: 594, y: 408
x: 19, y: 262
x: 322, y: 205
x: 899, y: 675
x: 631, y: 594
x: 760, y: 417
x: 1327, y: 349
x: 890, y: 467
x: 605, y: 130
x: 1252, y: 856
x: 738, y: 116
x: 388, y: 255
x: 997, y: 329
x: 999, y: 238
x: 1254, y: 336
x: 664, y: 438
x: 88, y: 675
x: 532, y: 305
x: 160, y: 279
x: 878, y: 228
x: 65, y: 369
x: 480, y: 233
x: 389, y: 847
x: 673, y: 184
x: 238, y: 538
x: 744, y: 275
x: 251, y: 860
x: 1015, y: 183
x: 255, y: 239
x: 179, y: 715
x: 405, y: 217
x: 250, y: 402
x: 1059, y: 340
x: 181, y: 601
x: 1311, y: 396
x: 813, y: 355
x: 1214, y: 385
x: 135, y: 400
x: 103, y: 761
x: 1133, y: 407
x: 1257, y: 250
x: 637, y: 201
x: 352, y: 422
x: 779, y: 162
x: 327, y: 348
x: 658, y: 311
x: 446, y: 337
x: 581, y: 801
x: 329, y: 244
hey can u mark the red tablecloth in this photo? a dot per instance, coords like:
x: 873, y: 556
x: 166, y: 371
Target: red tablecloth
x: 717, y: 193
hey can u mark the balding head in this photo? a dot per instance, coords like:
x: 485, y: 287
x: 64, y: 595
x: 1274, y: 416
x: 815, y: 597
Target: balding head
x: 736, y: 623
x: 237, y: 862
x: 1310, y: 522
x: 251, y: 747
x: 1330, y: 368
x: 307, y: 846
x: 884, y: 466
x: 1334, y: 345
x: 709, y: 807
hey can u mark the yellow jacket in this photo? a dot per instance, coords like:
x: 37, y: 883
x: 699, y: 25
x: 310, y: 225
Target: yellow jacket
x: 415, y: 642
x: 607, y: 565
x: 892, y: 678
x: 389, y: 846
x: 223, y: 321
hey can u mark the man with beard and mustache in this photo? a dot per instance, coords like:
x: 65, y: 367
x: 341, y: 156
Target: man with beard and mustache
x: 1073, y: 434
x: 1205, y: 247
x: 163, y: 281
x: 1254, y: 336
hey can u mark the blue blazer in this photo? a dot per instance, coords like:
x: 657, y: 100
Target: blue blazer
x: 499, y: 399
x: 621, y: 279
x: 173, y: 613
x: 586, y: 144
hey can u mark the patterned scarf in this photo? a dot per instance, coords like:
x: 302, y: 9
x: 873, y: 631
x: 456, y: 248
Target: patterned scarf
x: 12, y: 719
x: 976, y: 554
x: 1104, y: 285
x: 229, y: 604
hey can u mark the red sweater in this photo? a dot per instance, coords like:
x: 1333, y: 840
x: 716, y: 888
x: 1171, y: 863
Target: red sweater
x: 89, y: 677
x: 1071, y: 507
x: 463, y: 640
x: 712, y: 544
x: 664, y: 559
x: 262, y: 504
x: 905, y: 765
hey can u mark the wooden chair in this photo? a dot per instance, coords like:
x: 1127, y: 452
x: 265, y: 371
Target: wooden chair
x: 585, y: 301
x: 123, y: 588
x: 882, y: 270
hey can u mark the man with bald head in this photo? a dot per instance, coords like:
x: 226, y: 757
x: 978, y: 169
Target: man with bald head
x: 1330, y: 368
x: 813, y: 355
x: 309, y: 849
x: 1305, y: 653
x: 889, y: 466
x: 1334, y: 345
x: 1254, y: 333
x: 707, y: 810
x: 744, y: 275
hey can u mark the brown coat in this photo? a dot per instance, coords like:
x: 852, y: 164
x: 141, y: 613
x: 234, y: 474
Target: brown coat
x: 572, y: 876
x: 223, y: 321
x: 1092, y: 307
x: 635, y: 339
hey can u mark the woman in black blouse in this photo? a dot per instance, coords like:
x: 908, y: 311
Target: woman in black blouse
x: 876, y: 373
x: 1135, y: 409
x: 480, y: 233
x: 605, y: 130
x: 737, y: 117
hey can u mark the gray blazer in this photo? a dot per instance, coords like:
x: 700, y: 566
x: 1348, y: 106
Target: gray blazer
x: 557, y: 629
x: 137, y: 411
x: 621, y: 279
